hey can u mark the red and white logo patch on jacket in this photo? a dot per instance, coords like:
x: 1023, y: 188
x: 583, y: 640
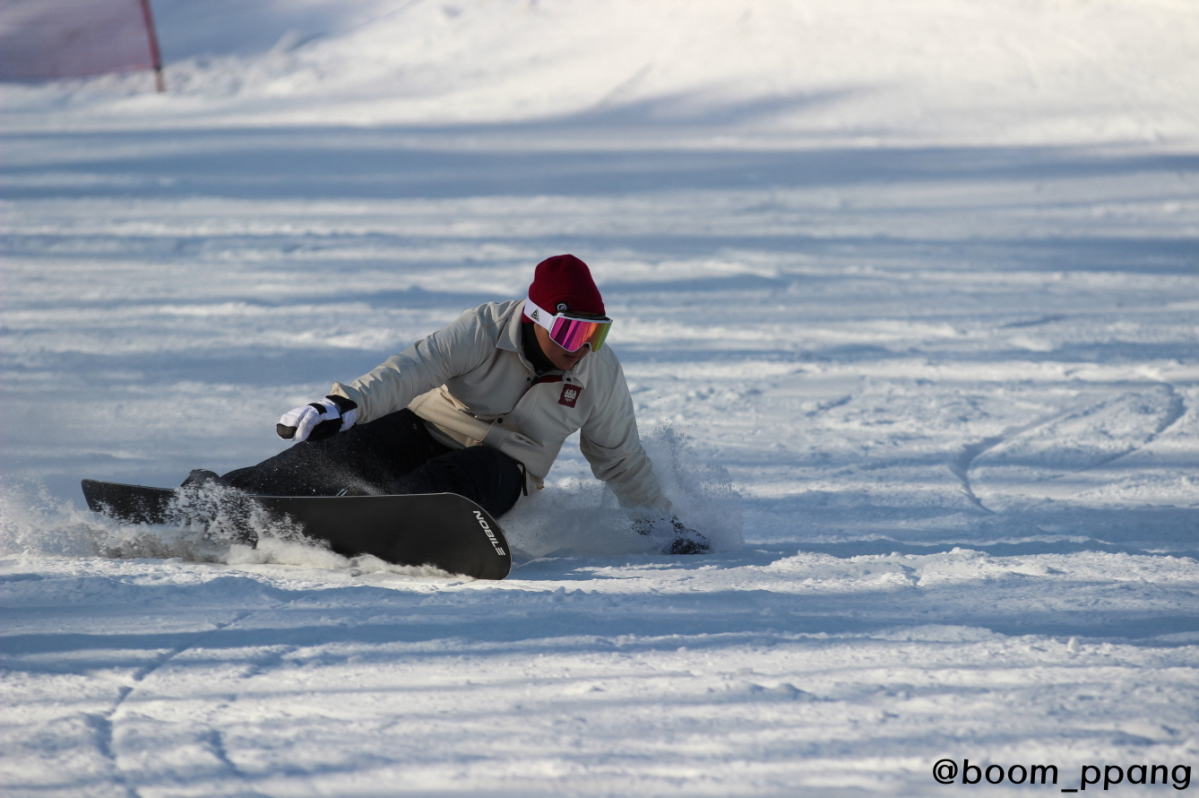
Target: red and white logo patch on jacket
x: 570, y: 395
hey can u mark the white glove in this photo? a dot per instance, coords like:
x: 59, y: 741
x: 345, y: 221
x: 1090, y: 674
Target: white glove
x: 318, y: 420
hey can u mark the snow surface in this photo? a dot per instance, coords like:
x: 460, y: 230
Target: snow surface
x: 908, y: 298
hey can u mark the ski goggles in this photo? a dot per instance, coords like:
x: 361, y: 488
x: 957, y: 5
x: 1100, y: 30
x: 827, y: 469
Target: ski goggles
x: 569, y: 332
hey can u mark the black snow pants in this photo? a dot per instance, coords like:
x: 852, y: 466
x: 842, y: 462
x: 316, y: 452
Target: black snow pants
x: 393, y: 454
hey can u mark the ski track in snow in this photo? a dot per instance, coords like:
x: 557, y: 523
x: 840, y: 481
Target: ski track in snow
x: 970, y: 455
x: 906, y: 300
x: 105, y: 723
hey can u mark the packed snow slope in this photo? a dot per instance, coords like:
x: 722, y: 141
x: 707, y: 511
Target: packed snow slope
x: 908, y: 299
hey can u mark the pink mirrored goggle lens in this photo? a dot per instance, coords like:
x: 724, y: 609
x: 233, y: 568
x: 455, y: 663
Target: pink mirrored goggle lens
x: 573, y: 334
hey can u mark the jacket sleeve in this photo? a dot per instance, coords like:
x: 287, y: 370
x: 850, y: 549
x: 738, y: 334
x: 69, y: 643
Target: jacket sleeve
x: 610, y: 442
x: 419, y: 369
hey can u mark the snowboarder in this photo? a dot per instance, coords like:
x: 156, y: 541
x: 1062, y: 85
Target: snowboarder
x: 481, y: 408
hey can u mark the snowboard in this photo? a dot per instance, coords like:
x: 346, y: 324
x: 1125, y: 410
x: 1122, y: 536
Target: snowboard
x: 440, y: 529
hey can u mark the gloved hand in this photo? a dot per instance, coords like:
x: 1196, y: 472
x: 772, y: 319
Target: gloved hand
x: 318, y: 420
x: 683, y: 540
x: 688, y: 541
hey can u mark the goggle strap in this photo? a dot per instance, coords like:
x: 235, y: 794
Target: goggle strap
x: 541, y: 317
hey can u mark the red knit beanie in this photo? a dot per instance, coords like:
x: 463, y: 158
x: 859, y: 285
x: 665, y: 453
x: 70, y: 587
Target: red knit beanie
x: 565, y: 280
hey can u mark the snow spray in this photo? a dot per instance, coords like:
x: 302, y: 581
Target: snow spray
x: 203, y: 526
x: 580, y: 516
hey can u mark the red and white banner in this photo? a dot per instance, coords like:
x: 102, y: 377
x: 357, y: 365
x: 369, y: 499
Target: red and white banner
x: 73, y: 38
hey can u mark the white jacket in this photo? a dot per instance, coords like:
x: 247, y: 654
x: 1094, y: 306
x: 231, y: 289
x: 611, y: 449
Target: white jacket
x: 471, y: 382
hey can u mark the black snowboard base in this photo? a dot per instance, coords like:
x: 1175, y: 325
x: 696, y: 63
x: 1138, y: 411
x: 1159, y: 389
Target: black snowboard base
x: 444, y: 530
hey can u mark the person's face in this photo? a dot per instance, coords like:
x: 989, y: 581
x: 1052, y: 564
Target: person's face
x: 557, y: 355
